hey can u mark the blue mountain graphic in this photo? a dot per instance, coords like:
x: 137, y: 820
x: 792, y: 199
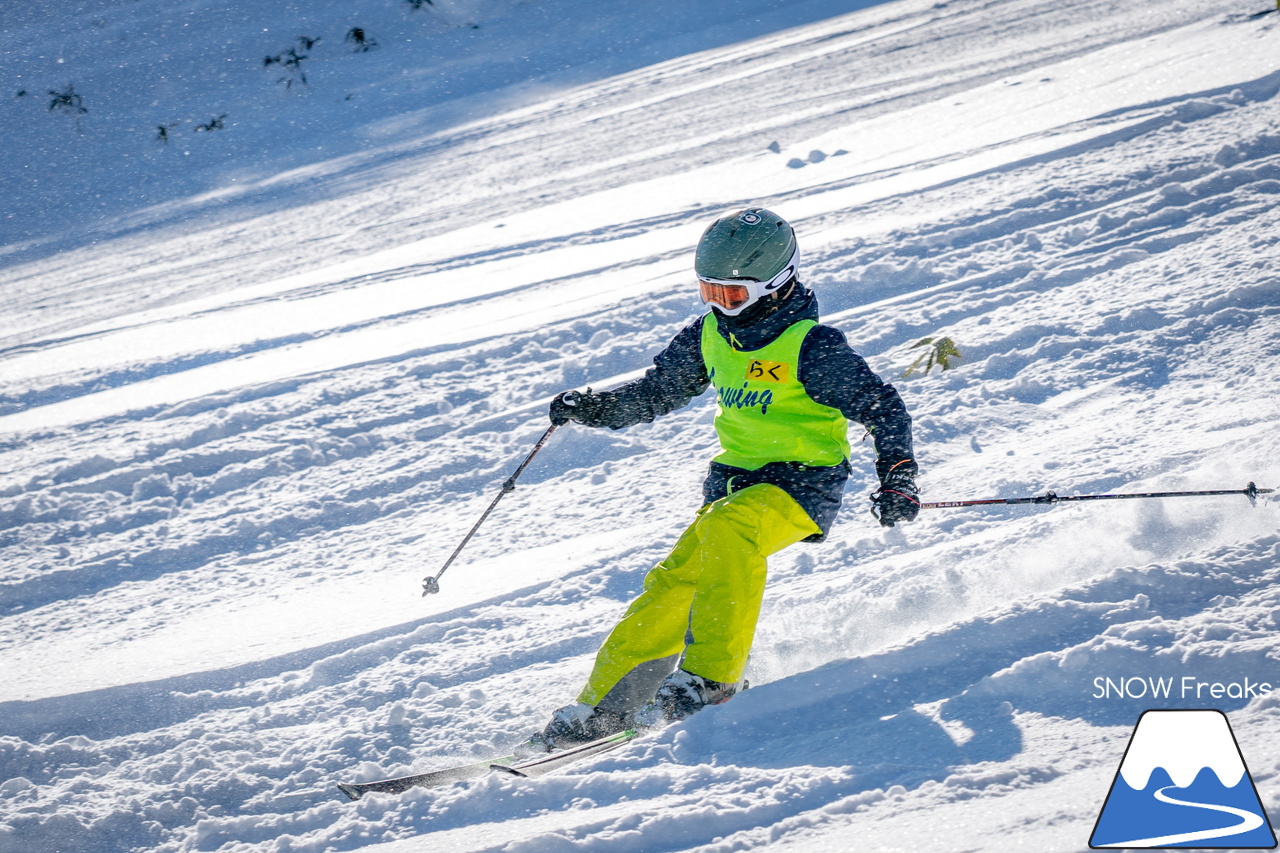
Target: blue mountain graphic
x: 1130, y: 815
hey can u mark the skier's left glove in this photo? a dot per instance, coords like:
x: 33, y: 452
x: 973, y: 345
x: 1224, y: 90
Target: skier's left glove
x: 897, y: 499
x: 584, y: 407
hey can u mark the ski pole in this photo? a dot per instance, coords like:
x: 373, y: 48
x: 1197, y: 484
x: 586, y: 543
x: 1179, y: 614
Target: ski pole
x: 431, y: 583
x: 1251, y: 492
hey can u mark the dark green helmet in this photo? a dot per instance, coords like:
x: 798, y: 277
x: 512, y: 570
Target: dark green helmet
x: 745, y: 256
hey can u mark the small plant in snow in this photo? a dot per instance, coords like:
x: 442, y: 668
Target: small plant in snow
x: 940, y: 352
x: 68, y: 101
x: 361, y: 39
x: 291, y: 61
x: 213, y: 124
x: 418, y: 4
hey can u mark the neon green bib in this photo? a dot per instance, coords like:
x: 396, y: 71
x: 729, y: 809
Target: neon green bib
x: 764, y: 413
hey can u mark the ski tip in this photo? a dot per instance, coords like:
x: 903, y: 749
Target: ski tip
x: 352, y: 791
x: 511, y: 771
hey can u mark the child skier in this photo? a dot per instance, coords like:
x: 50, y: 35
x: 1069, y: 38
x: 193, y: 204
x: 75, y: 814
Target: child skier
x: 787, y: 388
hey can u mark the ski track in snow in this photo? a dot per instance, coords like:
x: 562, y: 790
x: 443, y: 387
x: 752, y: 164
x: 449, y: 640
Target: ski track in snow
x: 215, y: 512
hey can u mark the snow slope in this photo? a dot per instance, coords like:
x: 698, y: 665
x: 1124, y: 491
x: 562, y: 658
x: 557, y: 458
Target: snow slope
x: 256, y: 382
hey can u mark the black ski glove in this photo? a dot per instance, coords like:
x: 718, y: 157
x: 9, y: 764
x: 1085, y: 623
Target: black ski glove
x: 581, y: 406
x: 897, y: 499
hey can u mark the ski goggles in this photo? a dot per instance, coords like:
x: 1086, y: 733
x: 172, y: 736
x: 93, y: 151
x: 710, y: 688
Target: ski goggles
x: 735, y: 295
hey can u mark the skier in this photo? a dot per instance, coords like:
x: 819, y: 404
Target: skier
x: 787, y: 388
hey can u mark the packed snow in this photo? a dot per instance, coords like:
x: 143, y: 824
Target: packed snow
x: 262, y: 371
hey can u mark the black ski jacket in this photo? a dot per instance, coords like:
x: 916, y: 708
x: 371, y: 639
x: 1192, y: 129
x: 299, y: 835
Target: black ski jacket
x: 832, y: 375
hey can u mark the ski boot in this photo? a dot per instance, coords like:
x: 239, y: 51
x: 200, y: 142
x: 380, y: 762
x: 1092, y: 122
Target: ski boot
x: 682, y: 694
x: 572, y: 725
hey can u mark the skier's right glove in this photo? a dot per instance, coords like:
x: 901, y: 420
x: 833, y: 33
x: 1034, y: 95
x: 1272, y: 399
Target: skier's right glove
x: 897, y: 499
x: 581, y: 406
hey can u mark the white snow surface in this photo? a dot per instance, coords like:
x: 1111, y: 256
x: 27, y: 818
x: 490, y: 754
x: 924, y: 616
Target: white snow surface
x: 257, y: 381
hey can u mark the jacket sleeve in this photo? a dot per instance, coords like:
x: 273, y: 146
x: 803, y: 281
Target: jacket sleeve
x: 836, y: 376
x: 677, y: 376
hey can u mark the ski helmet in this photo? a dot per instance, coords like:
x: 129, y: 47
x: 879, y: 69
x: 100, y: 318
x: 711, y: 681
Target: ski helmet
x: 743, y: 257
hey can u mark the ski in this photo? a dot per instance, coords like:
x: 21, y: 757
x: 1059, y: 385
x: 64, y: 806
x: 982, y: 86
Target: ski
x: 544, y: 764
x: 531, y: 768
x: 432, y: 779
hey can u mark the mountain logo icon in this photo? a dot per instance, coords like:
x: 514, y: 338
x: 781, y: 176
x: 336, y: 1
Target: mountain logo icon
x: 1183, y: 783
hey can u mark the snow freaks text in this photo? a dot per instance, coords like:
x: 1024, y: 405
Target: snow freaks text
x: 1186, y: 687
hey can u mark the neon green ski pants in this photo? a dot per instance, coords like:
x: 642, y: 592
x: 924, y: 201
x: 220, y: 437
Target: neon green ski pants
x: 710, y: 586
